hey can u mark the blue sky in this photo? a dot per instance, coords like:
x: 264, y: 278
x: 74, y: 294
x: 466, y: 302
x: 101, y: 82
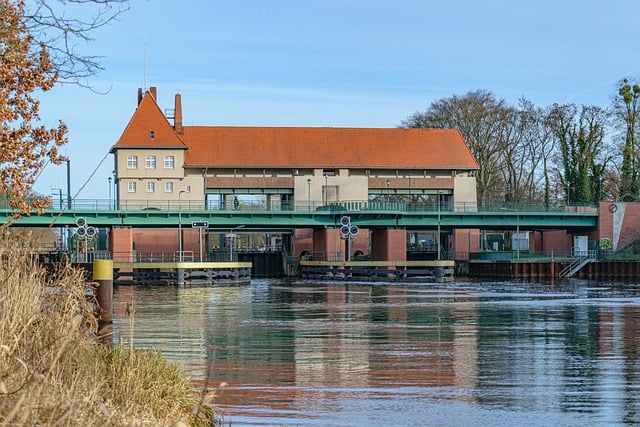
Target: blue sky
x: 335, y: 63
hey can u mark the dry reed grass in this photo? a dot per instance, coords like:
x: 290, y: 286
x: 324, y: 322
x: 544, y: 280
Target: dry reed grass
x: 53, y: 372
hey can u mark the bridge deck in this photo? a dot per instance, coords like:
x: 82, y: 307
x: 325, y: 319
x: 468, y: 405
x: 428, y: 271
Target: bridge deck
x: 363, y: 213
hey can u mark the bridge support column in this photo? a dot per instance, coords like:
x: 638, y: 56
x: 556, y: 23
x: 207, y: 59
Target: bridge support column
x: 121, y: 244
x: 466, y: 241
x: 329, y: 242
x: 389, y: 245
x: 180, y: 276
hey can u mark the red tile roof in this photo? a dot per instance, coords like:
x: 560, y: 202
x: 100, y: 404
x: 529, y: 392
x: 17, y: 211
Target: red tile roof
x: 298, y: 147
x: 326, y: 147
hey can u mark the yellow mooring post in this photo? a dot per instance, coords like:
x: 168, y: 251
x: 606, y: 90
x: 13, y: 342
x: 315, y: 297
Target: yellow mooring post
x: 103, y: 275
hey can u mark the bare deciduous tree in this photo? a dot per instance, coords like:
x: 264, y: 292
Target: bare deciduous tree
x: 38, y: 49
x: 526, y: 153
x: 25, y: 146
x: 65, y: 27
x: 480, y: 118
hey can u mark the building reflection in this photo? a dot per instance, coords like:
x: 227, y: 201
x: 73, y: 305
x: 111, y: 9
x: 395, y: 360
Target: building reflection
x: 289, y: 347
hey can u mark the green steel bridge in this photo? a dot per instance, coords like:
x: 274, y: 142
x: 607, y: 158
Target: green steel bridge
x: 364, y: 214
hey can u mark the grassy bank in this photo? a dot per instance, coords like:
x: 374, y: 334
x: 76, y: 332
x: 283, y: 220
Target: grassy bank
x: 54, y: 372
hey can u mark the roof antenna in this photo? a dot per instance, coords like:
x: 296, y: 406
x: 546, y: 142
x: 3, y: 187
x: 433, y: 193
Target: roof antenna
x: 145, y: 64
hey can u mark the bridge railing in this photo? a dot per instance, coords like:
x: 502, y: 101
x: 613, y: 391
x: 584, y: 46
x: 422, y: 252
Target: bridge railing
x: 147, y: 256
x: 318, y: 206
x: 521, y: 255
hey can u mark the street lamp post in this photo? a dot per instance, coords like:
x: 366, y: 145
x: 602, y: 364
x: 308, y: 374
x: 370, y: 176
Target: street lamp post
x: 388, y: 190
x: 61, y: 230
x: 309, y: 193
x: 231, y: 241
x: 109, y: 179
x: 518, y: 232
x: 438, y: 239
x: 326, y: 188
x: 68, y: 184
x: 115, y: 189
x: 180, y: 224
x: 517, y: 239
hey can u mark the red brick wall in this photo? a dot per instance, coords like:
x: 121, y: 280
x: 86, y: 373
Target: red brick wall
x: 389, y: 245
x: 631, y: 222
x: 556, y: 240
x: 302, y: 241
x: 155, y: 240
x: 535, y: 241
x: 627, y: 213
x: 163, y: 240
x: 466, y: 240
x: 605, y: 223
x: 328, y: 241
x: 121, y: 244
x: 360, y: 243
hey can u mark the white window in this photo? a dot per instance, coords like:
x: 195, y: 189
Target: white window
x: 132, y: 162
x: 131, y: 187
x: 150, y: 162
x: 151, y: 187
x: 168, y: 187
x: 169, y: 162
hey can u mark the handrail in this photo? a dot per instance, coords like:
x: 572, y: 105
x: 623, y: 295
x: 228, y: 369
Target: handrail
x: 583, y: 259
x: 407, y: 207
x: 290, y: 264
x: 628, y: 241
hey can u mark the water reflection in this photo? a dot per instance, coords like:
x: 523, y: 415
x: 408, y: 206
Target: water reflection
x: 380, y: 354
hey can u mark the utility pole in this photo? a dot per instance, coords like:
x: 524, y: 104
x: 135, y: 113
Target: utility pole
x: 68, y: 184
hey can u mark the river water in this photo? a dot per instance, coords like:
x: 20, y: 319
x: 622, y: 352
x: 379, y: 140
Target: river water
x: 387, y: 354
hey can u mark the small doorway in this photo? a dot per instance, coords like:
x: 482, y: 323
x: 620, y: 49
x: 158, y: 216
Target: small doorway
x: 580, y: 245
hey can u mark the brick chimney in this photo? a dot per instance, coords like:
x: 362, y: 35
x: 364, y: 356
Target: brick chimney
x: 177, y: 115
x: 153, y: 91
x: 139, y: 95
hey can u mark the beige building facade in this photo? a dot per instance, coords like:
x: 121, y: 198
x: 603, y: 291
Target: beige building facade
x: 160, y: 163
